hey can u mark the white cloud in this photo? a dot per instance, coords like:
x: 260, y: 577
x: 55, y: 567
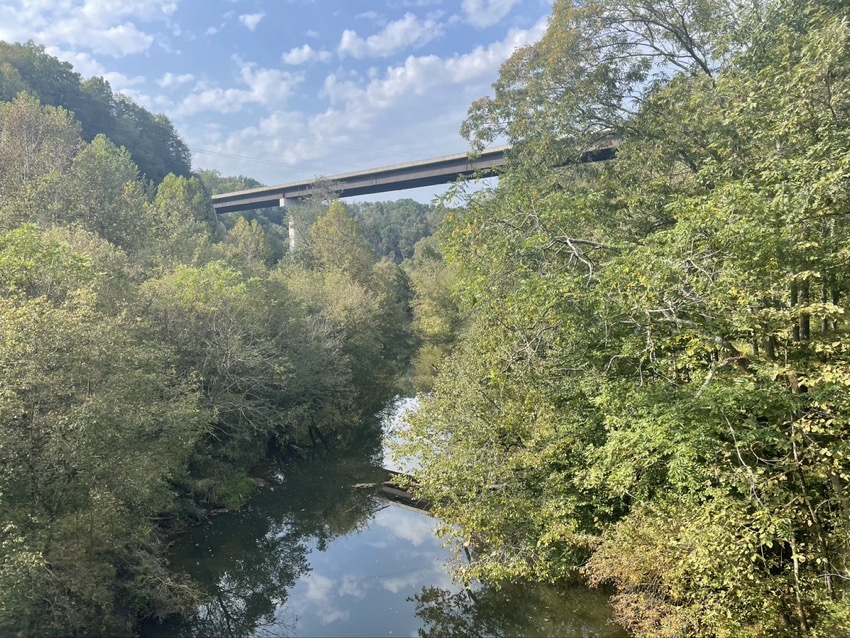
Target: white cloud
x: 102, y: 26
x: 305, y: 54
x: 117, y: 41
x: 83, y: 63
x: 408, y: 32
x: 154, y: 104
x: 119, y: 82
x: 110, y: 9
x: 485, y: 13
x: 419, y: 75
x: 267, y: 87
x: 368, y: 15
x: 251, y: 20
x: 170, y: 79
x: 412, y: 3
x: 425, y: 99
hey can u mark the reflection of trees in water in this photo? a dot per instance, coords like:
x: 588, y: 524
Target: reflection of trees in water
x: 246, y: 562
x: 514, y: 610
x: 460, y: 614
x: 250, y: 583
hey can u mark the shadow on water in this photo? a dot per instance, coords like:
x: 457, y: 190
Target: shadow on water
x: 313, y: 555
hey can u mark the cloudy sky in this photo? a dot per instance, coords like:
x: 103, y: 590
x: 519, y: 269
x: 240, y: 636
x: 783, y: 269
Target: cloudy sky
x: 283, y: 90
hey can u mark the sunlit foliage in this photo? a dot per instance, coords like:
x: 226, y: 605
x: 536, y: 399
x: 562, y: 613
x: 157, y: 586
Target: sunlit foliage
x: 653, y: 386
x: 150, y: 357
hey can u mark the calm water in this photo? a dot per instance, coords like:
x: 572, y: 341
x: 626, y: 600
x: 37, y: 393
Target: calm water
x: 313, y: 556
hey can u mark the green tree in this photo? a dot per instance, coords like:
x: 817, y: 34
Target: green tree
x: 211, y: 316
x: 249, y: 247
x: 437, y: 317
x: 51, y: 80
x: 183, y: 222
x: 393, y: 228
x: 102, y: 193
x: 652, y: 386
x: 338, y: 244
x: 216, y: 183
x: 150, y: 139
x: 37, y: 148
x: 83, y: 393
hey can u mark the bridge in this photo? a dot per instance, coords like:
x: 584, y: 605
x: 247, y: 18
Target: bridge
x: 441, y: 170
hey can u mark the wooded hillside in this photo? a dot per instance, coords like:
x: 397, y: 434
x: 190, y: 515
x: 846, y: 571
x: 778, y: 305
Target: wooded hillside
x: 153, y: 144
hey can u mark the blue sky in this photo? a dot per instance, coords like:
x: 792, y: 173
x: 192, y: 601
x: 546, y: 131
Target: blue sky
x: 283, y: 90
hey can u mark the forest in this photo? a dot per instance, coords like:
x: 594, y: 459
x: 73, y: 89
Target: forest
x: 152, y: 354
x: 650, y: 390
x: 632, y: 373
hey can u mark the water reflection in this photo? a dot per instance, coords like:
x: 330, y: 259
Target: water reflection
x: 512, y: 611
x: 248, y: 562
x: 314, y: 556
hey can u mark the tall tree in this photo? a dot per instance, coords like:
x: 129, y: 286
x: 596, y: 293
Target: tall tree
x: 37, y: 148
x: 338, y: 243
x: 652, y: 387
x: 84, y: 393
x: 103, y: 193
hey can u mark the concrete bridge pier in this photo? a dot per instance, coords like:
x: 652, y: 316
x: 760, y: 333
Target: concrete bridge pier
x: 291, y: 225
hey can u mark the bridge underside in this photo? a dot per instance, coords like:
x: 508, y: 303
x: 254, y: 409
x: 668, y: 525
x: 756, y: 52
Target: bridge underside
x: 442, y: 170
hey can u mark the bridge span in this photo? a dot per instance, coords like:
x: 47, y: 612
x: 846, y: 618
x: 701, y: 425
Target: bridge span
x: 440, y: 170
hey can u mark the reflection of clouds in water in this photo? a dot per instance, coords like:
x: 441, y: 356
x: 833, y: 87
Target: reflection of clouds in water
x: 320, y: 597
x: 412, y: 527
x: 323, y: 598
x: 379, y: 544
x: 351, y: 587
x: 407, y: 581
x: 435, y: 576
x: 318, y: 587
x: 329, y: 616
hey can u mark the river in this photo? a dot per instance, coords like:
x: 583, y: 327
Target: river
x: 311, y: 555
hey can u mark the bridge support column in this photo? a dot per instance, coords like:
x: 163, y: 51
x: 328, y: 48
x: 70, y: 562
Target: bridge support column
x: 291, y: 225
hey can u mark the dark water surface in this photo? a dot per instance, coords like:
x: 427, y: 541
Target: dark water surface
x: 313, y: 556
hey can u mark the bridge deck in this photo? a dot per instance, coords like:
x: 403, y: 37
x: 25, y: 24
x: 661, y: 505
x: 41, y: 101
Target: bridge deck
x: 441, y: 170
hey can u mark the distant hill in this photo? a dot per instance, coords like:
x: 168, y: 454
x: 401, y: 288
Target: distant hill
x: 154, y: 145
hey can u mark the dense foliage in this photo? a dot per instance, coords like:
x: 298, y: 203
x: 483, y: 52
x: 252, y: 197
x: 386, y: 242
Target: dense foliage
x: 394, y: 228
x: 151, y: 140
x: 653, y: 385
x: 148, y: 359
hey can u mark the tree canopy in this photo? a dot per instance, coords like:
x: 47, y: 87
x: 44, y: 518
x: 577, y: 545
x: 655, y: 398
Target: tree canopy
x: 149, y: 358
x: 151, y: 140
x: 652, y: 388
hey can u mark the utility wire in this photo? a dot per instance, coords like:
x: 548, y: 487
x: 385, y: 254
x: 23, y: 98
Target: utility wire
x: 259, y: 161
x: 351, y: 581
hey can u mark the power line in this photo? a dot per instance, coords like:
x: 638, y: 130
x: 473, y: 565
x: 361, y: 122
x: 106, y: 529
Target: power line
x: 352, y: 581
x: 256, y: 160
x: 324, y: 172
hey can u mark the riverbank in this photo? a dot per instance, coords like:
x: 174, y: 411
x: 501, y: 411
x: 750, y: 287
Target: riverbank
x: 313, y: 555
